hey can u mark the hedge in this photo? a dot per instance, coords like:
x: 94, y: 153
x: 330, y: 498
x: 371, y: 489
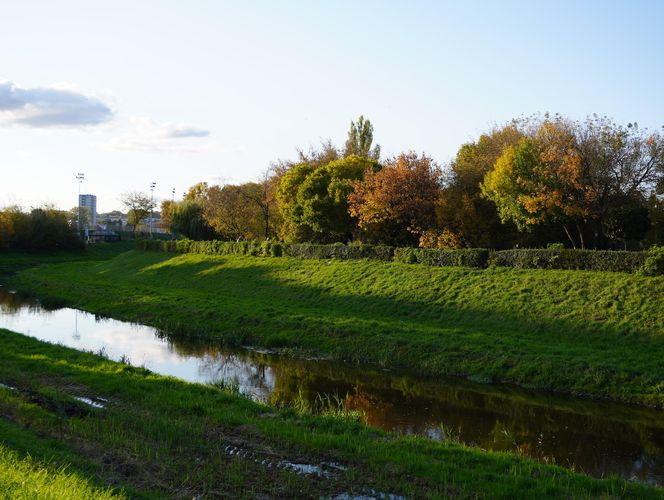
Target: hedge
x: 588, y: 260
x: 521, y: 258
x: 467, y: 257
x: 340, y: 251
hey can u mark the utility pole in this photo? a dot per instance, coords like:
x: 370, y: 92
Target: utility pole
x: 79, y: 177
x: 173, y: 195
x: 152, y: 186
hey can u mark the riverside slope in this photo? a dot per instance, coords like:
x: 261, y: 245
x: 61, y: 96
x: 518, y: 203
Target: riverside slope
x: 587, y: 333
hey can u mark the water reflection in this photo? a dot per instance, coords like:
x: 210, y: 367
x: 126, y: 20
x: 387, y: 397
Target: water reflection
x: 598, y: 438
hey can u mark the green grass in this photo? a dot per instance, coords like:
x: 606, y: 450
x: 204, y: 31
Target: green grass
x: 161, y: 437
x: 13, y: 260
x: 24, y: 478
x: 586, y: 333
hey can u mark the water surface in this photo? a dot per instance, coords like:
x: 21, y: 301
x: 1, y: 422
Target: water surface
x: 598, y: 438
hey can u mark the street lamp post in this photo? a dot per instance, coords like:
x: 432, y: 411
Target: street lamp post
x: 79, y: 177
x: 152, y: 186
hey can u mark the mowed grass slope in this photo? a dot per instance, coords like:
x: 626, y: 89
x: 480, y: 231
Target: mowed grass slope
x: 157, y: 437
x: 589, y: 333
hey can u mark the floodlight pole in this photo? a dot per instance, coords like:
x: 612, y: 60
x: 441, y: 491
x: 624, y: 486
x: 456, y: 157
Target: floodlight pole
x: 79, y: 177
x: 152, y: 186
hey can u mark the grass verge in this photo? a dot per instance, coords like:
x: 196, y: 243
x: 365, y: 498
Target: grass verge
x: 586, y: 333
x: 150, y: 436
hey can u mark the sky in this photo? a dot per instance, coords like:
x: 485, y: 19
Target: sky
x: 175, y: 92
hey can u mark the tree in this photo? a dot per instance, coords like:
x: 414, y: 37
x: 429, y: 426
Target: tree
x: 166, y: 210
x: 231, y: 211
x: 627, y: 220
x: 575, y: 174
x: 76, y: 212
x: 139, y: 205
x: 462, y: 211
x: 541, y: 180
x: 396, y: 205
x: 198, y: 191
x: 263, y: 195
x: 187, y: 219
x: 360, y: 139
x: 314, y: 202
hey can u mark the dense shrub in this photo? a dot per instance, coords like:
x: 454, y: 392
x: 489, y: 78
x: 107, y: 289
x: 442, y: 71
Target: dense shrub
x: 341, y: 251
x: 654, y: 262
x: 41, y: 229
x: 552, y: 258
x: 467, y: 257
x: 215, y: 247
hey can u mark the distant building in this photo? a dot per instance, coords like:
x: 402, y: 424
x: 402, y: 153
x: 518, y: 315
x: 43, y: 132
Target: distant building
x: 89, y: 201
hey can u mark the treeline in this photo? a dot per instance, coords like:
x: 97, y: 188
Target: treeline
x: 44, y: 228
x: 529, y: 183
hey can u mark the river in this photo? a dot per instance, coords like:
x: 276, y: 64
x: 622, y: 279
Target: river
x: 595, y: 437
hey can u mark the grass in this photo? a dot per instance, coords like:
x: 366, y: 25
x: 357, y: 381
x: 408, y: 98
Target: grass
x: 24, y: 478
x: 160, y: 437
x: 586, y: 333
x: 13, y: 260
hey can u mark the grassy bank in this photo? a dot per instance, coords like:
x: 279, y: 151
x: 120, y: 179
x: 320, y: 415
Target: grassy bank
x: 156, y: 436
x: 13, y: 260
x: 589, y: 333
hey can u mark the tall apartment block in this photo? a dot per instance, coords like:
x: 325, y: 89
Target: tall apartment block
x: 89, y: 201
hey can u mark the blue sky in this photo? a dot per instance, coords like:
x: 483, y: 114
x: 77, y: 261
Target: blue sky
x: 179, y: 92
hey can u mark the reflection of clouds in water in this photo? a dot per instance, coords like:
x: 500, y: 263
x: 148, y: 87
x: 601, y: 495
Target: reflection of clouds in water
x: 254, y: 379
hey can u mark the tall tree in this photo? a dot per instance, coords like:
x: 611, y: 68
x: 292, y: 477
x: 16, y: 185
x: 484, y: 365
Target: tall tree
x: 541, y: 180
x: 313, y: 202
x: 396, y: 204
x: 463, y: 214
x: 233, y: 213
x: 360, y: 140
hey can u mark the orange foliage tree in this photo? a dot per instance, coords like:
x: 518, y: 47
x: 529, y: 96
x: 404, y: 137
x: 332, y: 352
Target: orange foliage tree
x: 396, y: 204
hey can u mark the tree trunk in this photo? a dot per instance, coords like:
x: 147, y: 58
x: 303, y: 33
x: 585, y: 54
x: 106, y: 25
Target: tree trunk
x: 578, y: 230
x: 569, y: 235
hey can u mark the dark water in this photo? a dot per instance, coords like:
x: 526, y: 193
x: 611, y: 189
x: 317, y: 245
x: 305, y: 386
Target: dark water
x: 598, y: 438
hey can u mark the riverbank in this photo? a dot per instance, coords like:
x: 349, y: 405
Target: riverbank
x: 144, y: 435
x: 592, y: 334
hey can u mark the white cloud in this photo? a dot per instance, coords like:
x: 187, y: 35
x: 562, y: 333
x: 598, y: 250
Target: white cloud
x: 149, y: 135
x: 54, y: 106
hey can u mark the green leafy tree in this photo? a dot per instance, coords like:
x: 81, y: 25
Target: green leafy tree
x: 314, y: 202
x: 188, y: 219
x: 360, y: 140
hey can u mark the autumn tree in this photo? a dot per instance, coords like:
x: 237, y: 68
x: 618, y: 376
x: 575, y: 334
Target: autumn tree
x: 396, y: 204
x: 166, y: 210
x: 360, y: 140
x: 591, y: 177
x: 233, y: 213
x: 198, y: 191
x: 463, y: 215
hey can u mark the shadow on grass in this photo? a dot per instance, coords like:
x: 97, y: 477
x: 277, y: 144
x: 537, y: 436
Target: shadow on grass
x: 255, y: 301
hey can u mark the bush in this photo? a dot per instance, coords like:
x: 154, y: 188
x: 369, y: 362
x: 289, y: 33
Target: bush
x: 550, y: 258
x: 654, y: 263
x: 467, y: 257
x: 341, y: 251
x: 554, y: 258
